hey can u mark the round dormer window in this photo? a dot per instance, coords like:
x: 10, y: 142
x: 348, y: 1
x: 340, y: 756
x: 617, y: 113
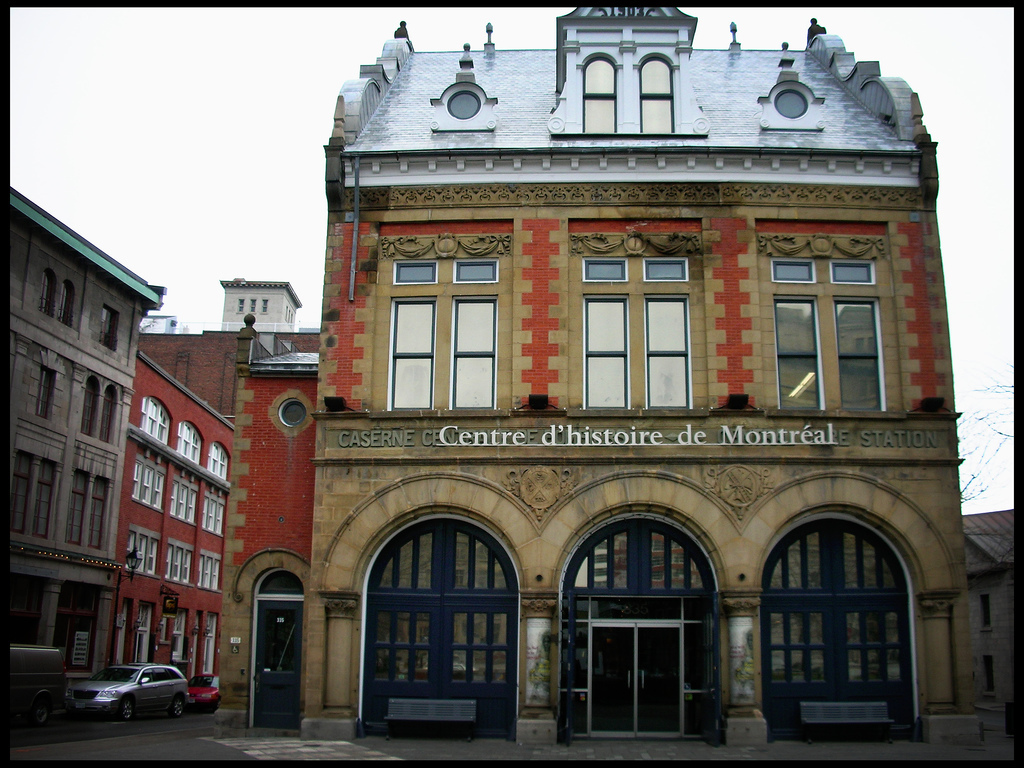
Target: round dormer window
x: 791, y: 104
x: 292, y: 413
x: 464, y: 105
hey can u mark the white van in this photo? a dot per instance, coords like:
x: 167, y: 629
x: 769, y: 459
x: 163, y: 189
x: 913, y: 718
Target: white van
x: 38, y: 682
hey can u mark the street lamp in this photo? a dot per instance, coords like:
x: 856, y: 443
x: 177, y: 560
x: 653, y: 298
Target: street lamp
x: 132, y: 560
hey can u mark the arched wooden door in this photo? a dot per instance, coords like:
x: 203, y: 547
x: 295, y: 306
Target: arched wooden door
x: 834, y: 624
x: 441, y: 620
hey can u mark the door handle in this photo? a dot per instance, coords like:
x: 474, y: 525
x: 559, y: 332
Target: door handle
x: 629, y: 680
x: 256, y: 679
x: 643, y: 678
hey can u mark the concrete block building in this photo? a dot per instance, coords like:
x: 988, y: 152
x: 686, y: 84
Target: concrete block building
x: 633, y: 413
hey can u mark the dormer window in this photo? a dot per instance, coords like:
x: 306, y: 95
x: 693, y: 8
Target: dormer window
x: 599, y: 97
x: 463, y: 105
x: 655, y: 97
x: 791, y: 104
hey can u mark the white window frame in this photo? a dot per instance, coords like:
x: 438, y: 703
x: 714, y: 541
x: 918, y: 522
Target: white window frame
x: 147, y: 544
x: 142, y: 632
x: 401, y: 264
x: 179, y: 562
x: 461, y: 354
x: 793, y: 262
x: 209, y: 641
x: 590, y: 354
x: 474, y: 263
x: 396, y: 357
x: 597, y: 261
x: 183, y: 501
x: 178, y: 636
x: 870, y: 267
x: 819, y: 389
x: 217, y: 461
x: 213, y: 514
x: 877, y: 356
x: 148, y: 484
x: 155, y: 420
x: 683, y: 353
x: 190, y: 443
x: 209, y: 570
x: 655, y: 262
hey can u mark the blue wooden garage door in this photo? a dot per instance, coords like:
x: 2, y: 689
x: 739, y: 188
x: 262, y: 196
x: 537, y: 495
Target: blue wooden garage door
x: 834, y: 625
x: 441, y: 623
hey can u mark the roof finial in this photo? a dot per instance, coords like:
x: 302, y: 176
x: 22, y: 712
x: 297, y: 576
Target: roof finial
x: 489, y: 46
x: 733, y: 46
x: 813, y: 31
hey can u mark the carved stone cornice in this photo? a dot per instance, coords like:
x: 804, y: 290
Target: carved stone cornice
x: 540, y: 487
x: 936, y: 605
x: 741, y: 606
x: 340, y: 605
x: 822, y: 246
x: 445, y: 246
x: 683, y: 194
x: 636, y: 244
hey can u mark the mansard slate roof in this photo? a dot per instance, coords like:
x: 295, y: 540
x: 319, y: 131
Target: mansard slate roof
x: 727, y: 85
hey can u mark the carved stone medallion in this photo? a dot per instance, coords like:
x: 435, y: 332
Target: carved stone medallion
x: 737, y: 485
x: 539, y: 487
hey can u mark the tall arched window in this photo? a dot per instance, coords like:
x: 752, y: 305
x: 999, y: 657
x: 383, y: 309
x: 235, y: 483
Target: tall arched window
x: 655, y: 97
x: 89, y: 405
x: 599, y: 97
x: 66, y: 311
x: 154, y: 421
x: 46, y: 296
x: 107, y: 415
x: 218, y: 461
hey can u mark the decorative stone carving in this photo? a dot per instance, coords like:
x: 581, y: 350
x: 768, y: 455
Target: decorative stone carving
x: 539, y: 487
x: 462, y: 196
x: 741, y: 606
x: 445, y: 246
x: 737, y: 485
x: 936, y: 608
x: 637, y: 244
x: 340, y: 605
x: 821, y: 245
x: 539, y: 605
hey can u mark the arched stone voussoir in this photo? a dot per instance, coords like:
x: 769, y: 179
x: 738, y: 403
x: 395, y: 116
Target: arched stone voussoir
x: 411, y: 498
x: 863, y: 498
x: 257, y: 564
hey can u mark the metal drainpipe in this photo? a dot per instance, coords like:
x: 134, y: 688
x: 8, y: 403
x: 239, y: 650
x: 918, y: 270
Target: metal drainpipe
x: 355, y: 230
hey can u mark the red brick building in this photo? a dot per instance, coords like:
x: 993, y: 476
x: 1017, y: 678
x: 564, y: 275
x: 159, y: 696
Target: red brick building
x: 172, y: 511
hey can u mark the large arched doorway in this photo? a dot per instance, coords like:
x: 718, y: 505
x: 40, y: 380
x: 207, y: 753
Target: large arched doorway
x: 639, y: 636
x: 441, y: 619
x: 834, y: 624
x: 277, y: 662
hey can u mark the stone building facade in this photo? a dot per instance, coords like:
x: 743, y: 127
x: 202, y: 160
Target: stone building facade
x: 73, y: 338
x: 634, y: 412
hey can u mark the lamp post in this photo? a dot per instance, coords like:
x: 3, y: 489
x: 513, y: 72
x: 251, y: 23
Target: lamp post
x: 132, y: 560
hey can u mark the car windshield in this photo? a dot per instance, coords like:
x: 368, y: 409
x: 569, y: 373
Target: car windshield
x: 117, y: 674
x: 202, y: 681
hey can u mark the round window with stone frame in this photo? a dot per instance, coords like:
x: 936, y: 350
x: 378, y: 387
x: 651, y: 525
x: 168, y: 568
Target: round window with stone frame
x: 791, y: 104
x: 292, y: 413
x: 464, y: 105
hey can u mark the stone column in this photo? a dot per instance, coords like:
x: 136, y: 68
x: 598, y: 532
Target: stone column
x: 48, y: 612
x: 941, y: 721
x: 331, y: 706
x: 536, y: 723
x: 745, y: 724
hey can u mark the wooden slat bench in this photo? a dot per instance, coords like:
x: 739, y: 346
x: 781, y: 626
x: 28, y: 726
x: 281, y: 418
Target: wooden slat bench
x: 432, y: 711
x: 845, y: 713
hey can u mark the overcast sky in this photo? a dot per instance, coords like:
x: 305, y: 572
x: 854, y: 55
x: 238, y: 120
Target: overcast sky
x: 188, y: 144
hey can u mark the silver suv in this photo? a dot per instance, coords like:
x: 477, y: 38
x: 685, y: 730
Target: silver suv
x: 125, y: 689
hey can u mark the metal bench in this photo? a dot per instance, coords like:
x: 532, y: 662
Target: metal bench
x: 845, y: 713
x: 432, y: 711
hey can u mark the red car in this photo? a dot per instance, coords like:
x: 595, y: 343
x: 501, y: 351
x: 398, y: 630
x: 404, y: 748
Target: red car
x: 204, y: 692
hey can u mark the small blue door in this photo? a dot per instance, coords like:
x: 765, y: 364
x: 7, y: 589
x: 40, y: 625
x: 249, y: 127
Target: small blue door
x: 278, y: 664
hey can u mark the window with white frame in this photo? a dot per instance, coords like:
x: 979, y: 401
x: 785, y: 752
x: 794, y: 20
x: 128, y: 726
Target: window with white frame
x: 606, y: 353
x: 155, y: 421
x: 179, y: 562
x: 599, y: 97
x: 146, y: 543
x: 666, y: 270
x: 857, y: 338
x: 209, y: 643
x: 412, y: 354
x: 476, y: 271
x: 415, y: 272
x: 860, y: 272
x: 667, y: 356
x: 183, y: 501
x: 217, y: 462
x: 148, y: 484
x: 796, y: 342
x: 143, y: 628
x: 792, y: 271
x: 213, y: 514
x: 473, y: 354
x: 178, y: 638
x: 655, y: 97
x: 604, y: 270
x: 209, y: 570
x: 189, y: 441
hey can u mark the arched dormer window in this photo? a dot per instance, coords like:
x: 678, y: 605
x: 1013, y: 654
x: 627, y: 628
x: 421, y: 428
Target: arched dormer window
x: 655, y: 97
x: 154, y: 421
x: 66, y: 311
x: 189, y: 441
x: 218, y: 461
x: 46, y: 297
x: 599, y: 97
x: 90, y: 405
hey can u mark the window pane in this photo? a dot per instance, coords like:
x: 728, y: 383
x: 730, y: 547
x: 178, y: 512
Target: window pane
x: 474, y: 387
x: 794, y: 327
x: 793, y: 271
x: 600, y: 77
x: 498, y: 667
x: 657, y: 561
x: 476, y: 272
x: 475, y: 327
x: 798, y: 382
x: 665, y: 270
x: 412, y: 383
x: 606, y: 327
x: 425, y: 272
x: 666, y: 326
x: 606, y: 382
x: 426, y: 557
x: 656, y: 116
x: 414, y: 328
x: 604, y: 269
x: 667, y: 382
x: 480, y: 563
x: 599, y: 116
x: 855, y: 329
x: 654, y: 77
x: 851, y: 273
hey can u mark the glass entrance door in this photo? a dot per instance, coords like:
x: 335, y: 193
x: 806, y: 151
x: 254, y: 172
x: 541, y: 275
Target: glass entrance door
x: 635, y: 680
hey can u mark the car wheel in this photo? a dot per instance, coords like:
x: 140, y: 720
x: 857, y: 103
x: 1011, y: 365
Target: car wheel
x: 40, y: 712
x: 177, y: 706
x: 126, y: 709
